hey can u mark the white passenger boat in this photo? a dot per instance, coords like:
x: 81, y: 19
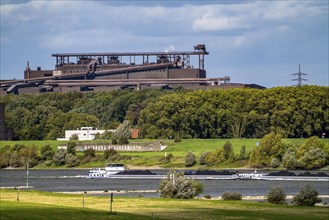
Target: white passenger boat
x: 109, y: 170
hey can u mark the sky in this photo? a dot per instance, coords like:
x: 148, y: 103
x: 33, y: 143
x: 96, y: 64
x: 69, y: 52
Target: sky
x: 260, y: 42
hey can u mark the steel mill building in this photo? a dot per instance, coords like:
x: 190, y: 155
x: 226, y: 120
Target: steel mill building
x: 109, y: 71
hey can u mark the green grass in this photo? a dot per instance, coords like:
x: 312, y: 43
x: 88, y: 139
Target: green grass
x: 53, y: 143
x: 24, y: 210
x: 44, y: 205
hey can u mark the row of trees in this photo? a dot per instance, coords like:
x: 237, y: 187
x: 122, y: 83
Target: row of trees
x: 272, y: 152
x: 21, y: 155
x: 235, y: 113
x: 47, y: 116
x: 291, y: 112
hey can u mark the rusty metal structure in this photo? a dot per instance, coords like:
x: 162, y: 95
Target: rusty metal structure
x: 106, y: 71
x: 129, y: 65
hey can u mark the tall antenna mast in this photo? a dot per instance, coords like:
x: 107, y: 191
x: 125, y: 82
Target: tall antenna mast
x: 299, y: 78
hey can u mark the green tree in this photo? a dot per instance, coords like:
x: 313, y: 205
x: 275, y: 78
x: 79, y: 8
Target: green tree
x: 15, y: 159
x: 71, y: 160
x: 29, y: 155
x: 47, y: 152
x: 56, y: 124
x: 228, y: 150
x: 243, y: 153
x: 107, y: 135
x: 59, y: 157
x: 122, y: 133
x: 215, y: 157
x: 313, y: 154
x: 70, y: 148
x: 313, y: 159
x: 290, y: 161
x: 177, y: 186
x: 270, y: 147
x: 5, y: 153
x: 310, y: 143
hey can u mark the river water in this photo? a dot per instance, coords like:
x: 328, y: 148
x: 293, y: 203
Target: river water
x: 75, y: 180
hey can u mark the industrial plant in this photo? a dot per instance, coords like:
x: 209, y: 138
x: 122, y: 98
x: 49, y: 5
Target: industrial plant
x: 124, y: 70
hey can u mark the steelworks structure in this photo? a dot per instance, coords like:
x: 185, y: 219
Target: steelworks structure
x: 151, y: 65
x: 106, y: 71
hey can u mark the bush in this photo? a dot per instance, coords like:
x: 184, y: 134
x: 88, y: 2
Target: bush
x: 243, y: 153
x: 232, y: 196
x: 71, y: 160
x: 59, y: 157
x: 71, y: 147
x: 207, y: 196
x: 123, y: 141
x: 290, y: 161
x: 29, y: 154
x: 109, y: 153
x: 215, y: 157
x: 89, y: 153
x: 47, y: 152
x: 177, y: 186
x: 203, y: 158
x: 177, y: 139
x: 314, y: 158
x: 74, y: 137
x: 114, y: 141
x: 48, y: 163
x: 275, y: 162
x: 307, y: 196
x: 15, y: 160
x: 228, y: 150
x: 88, y: 156
x: 190, y: 159
x: 5, y: 153
x: 276, y: 196
x: 167, y: 158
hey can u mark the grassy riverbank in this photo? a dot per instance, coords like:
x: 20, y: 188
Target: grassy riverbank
x: 195, y: 145
x: 45, y: 205
x: 155, y: 159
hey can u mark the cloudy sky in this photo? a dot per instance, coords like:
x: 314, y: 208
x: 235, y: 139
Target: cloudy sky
x: 258, y: 42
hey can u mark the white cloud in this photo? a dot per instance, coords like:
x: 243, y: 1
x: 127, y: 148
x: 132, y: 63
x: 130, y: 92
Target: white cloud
x: 233, y: 33
x: 252, y: 15
x: 212, y: 23
x: 282, y: 10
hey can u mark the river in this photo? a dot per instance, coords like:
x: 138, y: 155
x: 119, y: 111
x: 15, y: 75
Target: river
x: 75, y: 180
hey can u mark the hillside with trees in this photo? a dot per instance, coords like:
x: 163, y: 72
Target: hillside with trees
x: 291, y: 112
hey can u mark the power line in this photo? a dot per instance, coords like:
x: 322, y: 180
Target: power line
x: 299, y: 78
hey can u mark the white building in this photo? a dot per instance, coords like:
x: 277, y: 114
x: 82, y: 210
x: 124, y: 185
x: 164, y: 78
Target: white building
x: 85, y: 133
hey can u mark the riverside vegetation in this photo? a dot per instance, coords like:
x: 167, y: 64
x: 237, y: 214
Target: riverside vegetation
x: 292, y: 112
x: 183, y: 119
x: 272, y: 152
